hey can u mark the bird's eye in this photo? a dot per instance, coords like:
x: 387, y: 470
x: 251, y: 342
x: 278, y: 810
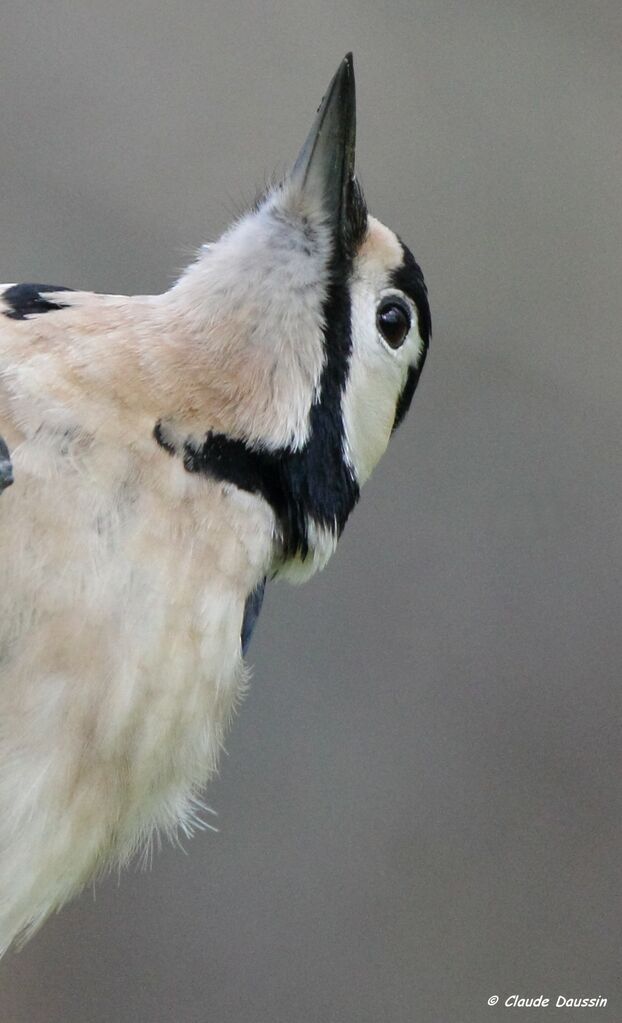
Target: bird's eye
x: 393, y: 321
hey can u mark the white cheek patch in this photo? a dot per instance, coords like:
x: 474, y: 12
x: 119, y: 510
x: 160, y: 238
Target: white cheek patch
x: 377, y: 373
x: 374, y: 382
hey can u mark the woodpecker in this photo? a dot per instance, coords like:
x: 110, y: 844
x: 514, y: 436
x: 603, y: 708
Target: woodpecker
x: 161, y: 457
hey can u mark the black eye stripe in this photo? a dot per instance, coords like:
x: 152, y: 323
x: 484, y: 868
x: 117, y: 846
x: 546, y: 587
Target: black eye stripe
x: 408, y: 278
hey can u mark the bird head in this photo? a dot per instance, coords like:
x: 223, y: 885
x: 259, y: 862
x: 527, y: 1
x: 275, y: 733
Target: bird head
x: 314, y: 319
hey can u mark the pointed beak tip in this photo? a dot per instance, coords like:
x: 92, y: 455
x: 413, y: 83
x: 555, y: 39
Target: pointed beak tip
x: 341, y: 89
x: 325, y: 164
x: 345, y: 74
x: 339, y: 103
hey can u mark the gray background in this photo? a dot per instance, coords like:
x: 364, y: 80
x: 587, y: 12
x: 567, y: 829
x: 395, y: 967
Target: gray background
x: 421, y: 802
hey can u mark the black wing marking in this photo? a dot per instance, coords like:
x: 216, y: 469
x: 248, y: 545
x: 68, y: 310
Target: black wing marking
x: 26, y: 300
x: 252, y: 608
x: 6, y: 468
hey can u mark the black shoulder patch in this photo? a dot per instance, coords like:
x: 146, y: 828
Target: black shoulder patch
x: 252, y: 608
x: 27, y: 300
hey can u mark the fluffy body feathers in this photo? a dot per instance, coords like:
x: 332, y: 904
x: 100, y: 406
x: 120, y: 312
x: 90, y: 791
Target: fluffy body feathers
x: 170, y: 452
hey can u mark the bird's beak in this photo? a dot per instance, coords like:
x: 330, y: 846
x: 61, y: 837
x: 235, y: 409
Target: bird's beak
x: 324, y: 168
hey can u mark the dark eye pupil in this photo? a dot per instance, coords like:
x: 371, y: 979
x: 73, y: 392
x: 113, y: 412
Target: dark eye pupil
x: 393, y: 323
